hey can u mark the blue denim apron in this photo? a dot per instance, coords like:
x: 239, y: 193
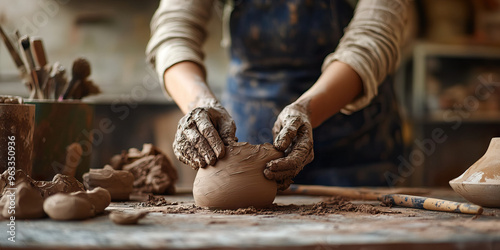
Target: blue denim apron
x: 277, y: 49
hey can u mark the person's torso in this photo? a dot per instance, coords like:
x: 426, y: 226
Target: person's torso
x: 278, y: 47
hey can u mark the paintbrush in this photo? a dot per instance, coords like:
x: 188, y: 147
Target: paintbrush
x: 38, y: 51
x: 13, y: 53
x: 389, y: 197
x: 15, y: 56
x: 25, y: 44
x: 429, y: 203
x: 79, y: 71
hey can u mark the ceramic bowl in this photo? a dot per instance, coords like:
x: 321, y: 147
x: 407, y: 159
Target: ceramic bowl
x: 480, y: 184
x: 483, y: 194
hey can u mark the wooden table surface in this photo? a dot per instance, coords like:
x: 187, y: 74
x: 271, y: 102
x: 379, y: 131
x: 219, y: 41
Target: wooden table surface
x: 174, y: 226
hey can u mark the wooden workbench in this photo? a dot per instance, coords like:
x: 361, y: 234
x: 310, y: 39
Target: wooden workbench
x: 181, y: 226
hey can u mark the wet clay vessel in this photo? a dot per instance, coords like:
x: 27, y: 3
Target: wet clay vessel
x: 480, y: 184
x: 237, y: 180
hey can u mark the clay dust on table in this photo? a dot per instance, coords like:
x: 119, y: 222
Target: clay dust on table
x: 330, y: 205
x: 156, y: 201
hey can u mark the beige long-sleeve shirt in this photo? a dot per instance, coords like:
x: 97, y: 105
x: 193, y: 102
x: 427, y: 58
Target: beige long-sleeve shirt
x: 371, y: 43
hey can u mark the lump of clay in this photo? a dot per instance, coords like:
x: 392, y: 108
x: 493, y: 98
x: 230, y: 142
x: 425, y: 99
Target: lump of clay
x: 119, y: 183
x: 19, y: 176
x: 123, y: 218
x: 153, y: 172
x: 480, y: 184
x: 237, y: 180
x: 99, y: 197
x: 23, y: 202
x: 59, y: 184
x: 78, y: 205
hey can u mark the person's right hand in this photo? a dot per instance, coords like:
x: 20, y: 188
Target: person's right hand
x: 202, y: 134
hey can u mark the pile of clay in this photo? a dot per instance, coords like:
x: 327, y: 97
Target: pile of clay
x: 119, y: 183
x: 237, y: 180
x: 152, y: 170
x: 63, y: 198
x: 480, y: 184
x: 329, y: 205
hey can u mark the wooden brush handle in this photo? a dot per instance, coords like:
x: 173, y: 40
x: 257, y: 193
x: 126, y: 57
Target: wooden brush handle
x: 430, y: 204
x: 39, y: 52
x: 350, y: 192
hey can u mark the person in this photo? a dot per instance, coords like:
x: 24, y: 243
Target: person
x: 311, y: 77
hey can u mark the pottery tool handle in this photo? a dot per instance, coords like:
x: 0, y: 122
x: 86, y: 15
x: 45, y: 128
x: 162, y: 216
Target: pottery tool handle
x: 430, y: 204
x: 316, y: 190
x: 350, y: 192
x: 15, y: 56
x: 39, y: 52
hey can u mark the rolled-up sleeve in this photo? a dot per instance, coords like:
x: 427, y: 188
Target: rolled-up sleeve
x: 178, y: 31
x: 371, y: 45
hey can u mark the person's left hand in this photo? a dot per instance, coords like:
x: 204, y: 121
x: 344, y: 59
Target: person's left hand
x: 292, y: 135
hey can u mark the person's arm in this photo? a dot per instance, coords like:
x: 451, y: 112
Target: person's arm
x: 337, y: 86
x: 178, y: 32
x: 368, y: 51
x: 185, y: 83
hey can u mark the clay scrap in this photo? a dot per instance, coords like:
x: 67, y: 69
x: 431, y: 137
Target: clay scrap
x: 78, y: 205
x: 153, y: 172
x: 24, y: 202
x: 119, y: 183
x: 59, y: 184
x: 237, y: 180
x: 28, y: 195
x: 127, y: 218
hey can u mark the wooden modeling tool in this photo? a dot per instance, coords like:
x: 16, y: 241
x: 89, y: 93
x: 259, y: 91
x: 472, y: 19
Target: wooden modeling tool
x: 40, y: 56
x: 25, y: 45
x: 13, y: 53
x: 396, y: 197
x: 15, y: 56
x: 39, y: 52
x: 349, y: 192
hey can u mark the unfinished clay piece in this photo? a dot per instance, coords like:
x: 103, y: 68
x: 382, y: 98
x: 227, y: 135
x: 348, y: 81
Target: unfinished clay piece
x: 480, y: 184
x: 23, y: 202
x: 237, y: 180
x: 119, y: 183
x: 73, y: 157
x: 127, y: 218
x: 59, y: 184
x: 78, y: 205
x: 152, y: 170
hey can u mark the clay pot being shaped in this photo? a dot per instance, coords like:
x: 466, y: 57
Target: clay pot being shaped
x: 237, y: 180
x: 480, y: 184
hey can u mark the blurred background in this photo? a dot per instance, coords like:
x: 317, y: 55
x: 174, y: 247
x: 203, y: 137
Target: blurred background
x: 448, y: 81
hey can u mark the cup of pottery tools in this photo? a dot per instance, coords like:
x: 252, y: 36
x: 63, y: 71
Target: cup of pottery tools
x: 61, y: 127
x: 16, y: 134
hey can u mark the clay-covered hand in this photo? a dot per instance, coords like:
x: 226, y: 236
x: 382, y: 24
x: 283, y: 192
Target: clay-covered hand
x: 202, y: 134
x: 292, y: 135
